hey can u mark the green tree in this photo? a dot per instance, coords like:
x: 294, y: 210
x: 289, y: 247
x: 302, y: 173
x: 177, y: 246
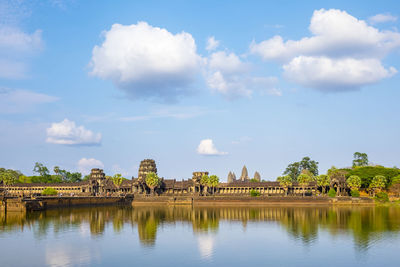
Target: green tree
x: 354, y: 182
x: 117, y: 179
x: 377, y: 184
x: 323, y: 181
x: 369, y: 172
x: 41, y: 169
x: 56, y: 170
x: 49, y: 191
x: 152, y: 181
x: 294, y: 169
x: 8, y: 178
x: 285, y: 182
x: 360, y: 159
x: 213, y: 182
x: 204, y: 181
x: 303, y: 180
x: 332, y: 192
x: 24, y: 179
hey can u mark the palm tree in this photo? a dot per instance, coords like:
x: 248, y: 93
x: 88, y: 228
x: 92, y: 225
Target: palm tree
x: 285, y: 182
x: 323, y: 181
x: 205, y: 181
x: 303, y: 180
x: 378, y: 183
x: 213, y: 182
x: 152, y: 181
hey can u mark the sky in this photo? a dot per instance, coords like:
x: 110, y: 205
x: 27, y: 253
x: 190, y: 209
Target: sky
x: 198, y: 85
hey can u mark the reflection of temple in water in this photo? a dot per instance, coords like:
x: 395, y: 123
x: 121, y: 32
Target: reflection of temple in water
x: 364, y: 223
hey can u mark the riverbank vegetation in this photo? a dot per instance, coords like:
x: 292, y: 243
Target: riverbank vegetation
x: 363, y: 178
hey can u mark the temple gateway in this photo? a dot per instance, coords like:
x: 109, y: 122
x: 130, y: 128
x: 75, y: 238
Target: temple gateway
x: 99, y: 185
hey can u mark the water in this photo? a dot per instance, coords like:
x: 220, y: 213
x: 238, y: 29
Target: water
x: 185, y: 236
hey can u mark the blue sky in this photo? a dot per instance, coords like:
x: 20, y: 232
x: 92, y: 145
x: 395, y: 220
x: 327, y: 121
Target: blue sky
x: 208, y: 85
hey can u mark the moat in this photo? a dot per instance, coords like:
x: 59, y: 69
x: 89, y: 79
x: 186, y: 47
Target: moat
x: 195, y: 236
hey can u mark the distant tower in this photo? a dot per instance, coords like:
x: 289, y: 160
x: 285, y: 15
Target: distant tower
x: 257, y: 177
x: 230, y: 177
x: 146, y: 166
x: 245, y: 175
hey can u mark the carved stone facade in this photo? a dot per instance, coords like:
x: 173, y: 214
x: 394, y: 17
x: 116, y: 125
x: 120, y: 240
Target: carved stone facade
x: 146, y: 166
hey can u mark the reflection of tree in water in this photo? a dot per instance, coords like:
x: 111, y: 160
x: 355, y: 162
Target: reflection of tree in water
x: 205, y: 220
x: 147, y: 223
x: 301, y: 223
x: 366, y: 224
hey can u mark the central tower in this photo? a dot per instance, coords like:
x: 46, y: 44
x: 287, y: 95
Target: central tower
x: 146, y: 166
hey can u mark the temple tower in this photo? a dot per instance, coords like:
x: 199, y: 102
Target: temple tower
x: 245, y: 175
x: 231, y: 177
x: 146, y: 166
x: 257, y: 177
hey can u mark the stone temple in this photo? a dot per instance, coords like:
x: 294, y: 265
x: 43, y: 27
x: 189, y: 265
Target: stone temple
x: 99, y: 185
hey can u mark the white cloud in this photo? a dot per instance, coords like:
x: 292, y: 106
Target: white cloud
x: 67, y: 133
x: 147, y: 62
x: 227, y: 63
x: 212, y: 44
x: 207, y: 147
x: 228, y: 75
x: 86, y: 164
x: 335, y: 74
x: 13, y: 39
x: 337, y: 37
x: 16, y: 48
x: 19, y: 101
x: 382, y: 18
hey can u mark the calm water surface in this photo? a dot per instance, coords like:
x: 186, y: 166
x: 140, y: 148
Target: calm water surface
x: 185, y: 236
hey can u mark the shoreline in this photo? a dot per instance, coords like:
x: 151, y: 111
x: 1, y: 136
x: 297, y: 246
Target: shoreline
x: 44, y: 203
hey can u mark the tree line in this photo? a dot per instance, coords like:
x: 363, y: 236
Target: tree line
x: 361, y: 176
x: 43, y: 175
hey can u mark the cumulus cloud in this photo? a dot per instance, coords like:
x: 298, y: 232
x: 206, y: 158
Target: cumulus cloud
x: 230, y: 76
x: 336, y: 74
x: 337, y: 38
x: 86, y: 164
x: 382, y: 18
x: 18, y: 101
x: 147, y: 62
x: 212, y: 44
x: 207, y: 147
x: 67, y: 133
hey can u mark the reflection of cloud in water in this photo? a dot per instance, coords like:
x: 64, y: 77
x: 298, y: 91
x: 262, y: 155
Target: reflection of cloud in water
x: 84, y: 230
x: 206, y: 246
x: 68, y: 255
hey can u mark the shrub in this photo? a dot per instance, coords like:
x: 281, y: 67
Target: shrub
x: 355, y: 193
x: 332, y: 192
x: 49, y: 191
x: 254, y: 193
x: 382, y: 197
